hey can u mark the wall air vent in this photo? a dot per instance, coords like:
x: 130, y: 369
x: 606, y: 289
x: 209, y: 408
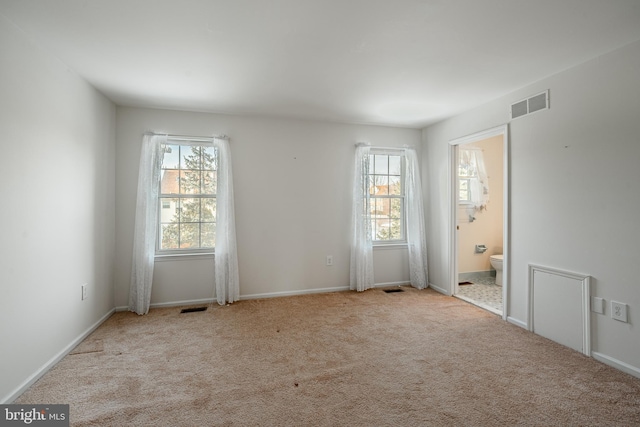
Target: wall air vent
x: 530, y: 105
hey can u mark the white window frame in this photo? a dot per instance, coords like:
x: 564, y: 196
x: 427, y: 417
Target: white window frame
x: 468, y: 179
x: 173, y: 252
x: 403, y: 216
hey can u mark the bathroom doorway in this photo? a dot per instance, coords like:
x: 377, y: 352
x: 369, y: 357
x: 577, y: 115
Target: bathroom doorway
x: 479, y: 202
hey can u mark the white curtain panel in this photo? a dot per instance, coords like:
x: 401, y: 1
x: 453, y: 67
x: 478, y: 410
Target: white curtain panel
x: 361, y: 268
x: 146, y: 223
x: 472, y: 159
x: 226, y: 253
x: 416, y: 239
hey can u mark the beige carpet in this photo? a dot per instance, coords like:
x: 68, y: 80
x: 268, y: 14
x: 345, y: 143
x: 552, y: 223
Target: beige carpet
x: 415, y: 358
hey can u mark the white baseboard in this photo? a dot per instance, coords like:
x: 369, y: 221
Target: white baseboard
x: 264, y: 295
x: 389, y: 284
x: 172, y: 304
x: 242, y: 297
x: 293, y: 293
x: 439, y: 289
x: 517, y: 322
x: 181, y: 303
x: 473, y: 274
x: 55, y: 359
x: 618, y: 364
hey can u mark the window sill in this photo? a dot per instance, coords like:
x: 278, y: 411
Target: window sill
x: 183, y: 257
x: 378, y: 246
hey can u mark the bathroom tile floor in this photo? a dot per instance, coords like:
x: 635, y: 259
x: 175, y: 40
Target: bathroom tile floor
x: 483, y: 292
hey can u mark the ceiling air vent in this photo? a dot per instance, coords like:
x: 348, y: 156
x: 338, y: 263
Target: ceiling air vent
x: 530, y: 105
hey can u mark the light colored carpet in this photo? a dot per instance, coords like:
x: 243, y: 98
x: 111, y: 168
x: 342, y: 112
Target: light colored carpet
x: 415, y: 358
x: 89, y: 345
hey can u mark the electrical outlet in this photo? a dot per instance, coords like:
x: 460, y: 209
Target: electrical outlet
x: 329, y: 259
x: 619, y: 311
x: 84, y: 291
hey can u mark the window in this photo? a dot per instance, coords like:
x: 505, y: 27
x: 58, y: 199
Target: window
x: 188, y: 184
x: 464, y: 188
x: 473, y: 184
x: 386, y: 192
x: 467, y: 171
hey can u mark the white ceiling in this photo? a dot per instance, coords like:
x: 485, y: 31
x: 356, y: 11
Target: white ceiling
x: 395, y: 62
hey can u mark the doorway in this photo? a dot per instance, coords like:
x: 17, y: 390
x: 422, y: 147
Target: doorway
x: 479, y: 219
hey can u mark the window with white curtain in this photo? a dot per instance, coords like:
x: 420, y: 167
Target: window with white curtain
x: 387, y: 196
x: 193, y: 206
x: 187, y: 197
x: 387, y: 208
x: 473, y: 183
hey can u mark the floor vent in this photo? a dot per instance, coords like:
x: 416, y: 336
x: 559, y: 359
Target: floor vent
x: 391, y: 291
x: 192, y: 309
x: 530, y: 105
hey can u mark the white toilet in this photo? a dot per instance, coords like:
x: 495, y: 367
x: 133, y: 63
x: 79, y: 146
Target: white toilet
x: 496, y: 262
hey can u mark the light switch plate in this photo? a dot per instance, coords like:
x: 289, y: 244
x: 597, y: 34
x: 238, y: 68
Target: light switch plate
x: 597, y: 305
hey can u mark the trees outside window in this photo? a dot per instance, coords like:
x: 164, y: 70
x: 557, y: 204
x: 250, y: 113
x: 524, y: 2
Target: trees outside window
x: 386, y: 193
x: 188, y: 184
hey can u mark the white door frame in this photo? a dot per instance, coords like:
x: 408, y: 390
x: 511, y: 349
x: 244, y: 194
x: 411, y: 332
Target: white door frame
x: 453, y: 209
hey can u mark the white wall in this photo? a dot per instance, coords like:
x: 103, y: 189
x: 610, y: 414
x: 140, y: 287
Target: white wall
x: 292, y: 183
x: 574, y: 190
x: 57, y: 218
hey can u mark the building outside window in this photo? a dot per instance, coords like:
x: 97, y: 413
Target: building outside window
x: 187, y: 197
x: 387, y: 197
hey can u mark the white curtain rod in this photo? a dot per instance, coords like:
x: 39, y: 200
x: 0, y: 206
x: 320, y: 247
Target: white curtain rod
x: 189, y: 137
x: 382, y: 148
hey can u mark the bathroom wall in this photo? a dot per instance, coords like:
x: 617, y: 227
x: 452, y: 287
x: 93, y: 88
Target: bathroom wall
x: 486, y: 229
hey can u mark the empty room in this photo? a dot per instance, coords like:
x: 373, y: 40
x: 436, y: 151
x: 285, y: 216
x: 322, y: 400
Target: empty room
x: 308, y: 212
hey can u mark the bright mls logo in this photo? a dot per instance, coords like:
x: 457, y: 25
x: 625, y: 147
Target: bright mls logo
x: 34, y: 415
